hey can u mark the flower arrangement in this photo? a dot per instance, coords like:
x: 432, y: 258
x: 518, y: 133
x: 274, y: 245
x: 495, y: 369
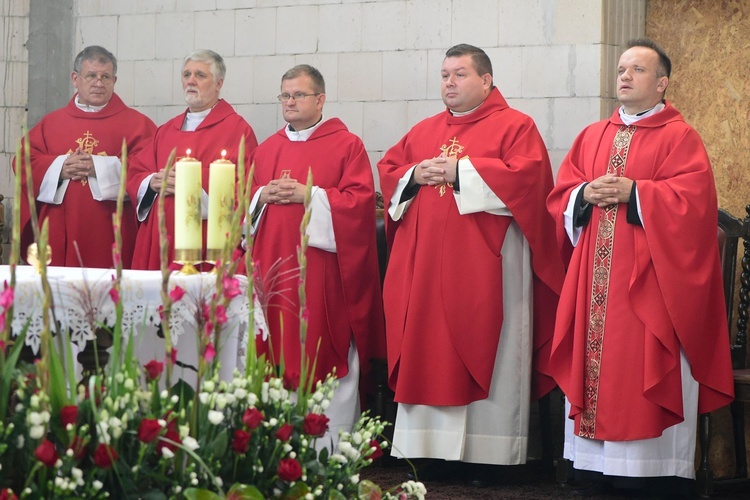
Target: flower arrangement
x: 128, y: 432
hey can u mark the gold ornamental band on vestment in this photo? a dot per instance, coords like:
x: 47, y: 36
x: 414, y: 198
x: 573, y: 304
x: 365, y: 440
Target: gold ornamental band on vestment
x: 605, y: 237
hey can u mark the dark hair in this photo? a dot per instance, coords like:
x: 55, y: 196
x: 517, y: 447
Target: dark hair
x: 95, y: 53
x: 665, y: 65
x: 214, y: 61
x: 319, y: 84
x: 482, y: 63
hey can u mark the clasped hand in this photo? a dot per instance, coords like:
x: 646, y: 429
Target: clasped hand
x: 608, y: 190
x: 283, y: 192
x: 158, y: 178
x: 78, y: 166
x: 436, y: 171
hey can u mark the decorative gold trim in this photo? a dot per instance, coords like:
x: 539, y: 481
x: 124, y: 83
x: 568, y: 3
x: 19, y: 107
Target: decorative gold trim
x: 605, y: 238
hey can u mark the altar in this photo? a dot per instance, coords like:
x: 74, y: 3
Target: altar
x: 82, y: 303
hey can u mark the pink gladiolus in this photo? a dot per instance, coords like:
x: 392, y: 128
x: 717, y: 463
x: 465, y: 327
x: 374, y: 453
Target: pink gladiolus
x: 206, y: 312
x: 231, y: 287
x: 209, y: 353
x: 6, y: 297
x: 221, y: 314
x: 114, y: 295
x: 116, y: 257
x: 173, y: 356
x: 176, y: 294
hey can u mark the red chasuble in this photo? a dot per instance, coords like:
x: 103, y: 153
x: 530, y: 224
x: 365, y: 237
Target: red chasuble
x: 443, y: 288
x: 80, y: 220
x: 658, y: 287
x: 342, y: 288
x: 221, y: 130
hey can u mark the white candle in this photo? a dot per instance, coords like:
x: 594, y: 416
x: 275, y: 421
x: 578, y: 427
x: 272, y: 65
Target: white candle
x: 188, y: 233
x: 221, y: 180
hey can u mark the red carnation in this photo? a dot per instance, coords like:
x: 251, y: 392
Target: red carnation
x: 241, y: 441
x: 252, y: 418
x: 104, y: 456
x: 285, y: 432
x: 289, y: 469
x: 46, y: 453
x: 153, y: 369
x: 315, y: 425
x: 376, y: 451
x: 68, y: 415
x: 149, y: 430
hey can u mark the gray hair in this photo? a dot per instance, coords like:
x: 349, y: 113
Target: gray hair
x: 214, y: 60
x: 94, y: 53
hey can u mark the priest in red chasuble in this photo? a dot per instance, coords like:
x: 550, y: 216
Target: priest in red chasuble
x: 343, y: 301
x: 209, y: 126
x: 472, y: 281
x: 640, y: 345
x: 75, y: 167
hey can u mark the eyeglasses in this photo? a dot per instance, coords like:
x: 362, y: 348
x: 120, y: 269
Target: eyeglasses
x: 297, y: 96
x: 106, y: 79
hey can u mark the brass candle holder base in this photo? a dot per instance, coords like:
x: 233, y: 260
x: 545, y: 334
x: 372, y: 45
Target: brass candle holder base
x: 188, y: 259
x: 32, y: 256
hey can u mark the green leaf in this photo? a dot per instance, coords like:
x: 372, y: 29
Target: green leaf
x: 296, y: 492
x: 8, y: 370
x: 185, y: 392
x: 153, y: 495
x: 221, y: 441
x: 244, y: 492
x: 200, y: 494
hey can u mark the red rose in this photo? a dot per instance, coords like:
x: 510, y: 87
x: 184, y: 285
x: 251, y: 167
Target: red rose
x: 69, y: 415
x: 149, y: 430
x: 315, y: 425
x: 46, y: 453
x: 285, y: 432
x: 377, y: 452
x: 172, y: 436
x: 252, y: 418
x: 289, y: 469
x: 241, y: 441
x: 78, y: 447
x: 104, y: 456
x: 153, y: 369
x: 7, y: 494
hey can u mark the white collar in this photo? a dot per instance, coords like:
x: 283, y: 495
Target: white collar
x: 193, y: 120
x: 631, y: 119
x: 301, y: 135
x: 88, y: 108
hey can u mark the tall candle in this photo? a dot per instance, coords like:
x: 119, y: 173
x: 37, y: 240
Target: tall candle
x: 221, y: 179
x: 188, y: 231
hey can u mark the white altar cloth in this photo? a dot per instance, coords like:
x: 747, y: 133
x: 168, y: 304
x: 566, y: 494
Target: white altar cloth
x: 82, y: 302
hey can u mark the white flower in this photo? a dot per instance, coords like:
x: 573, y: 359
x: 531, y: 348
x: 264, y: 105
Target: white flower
x: 167, y: 453
x: 274, y: 395
x: 34, y: 402
x: 174, y: 399
x: 338, y: 457
x: 34, y: 418
x: 76, y: 473
x: 287, y: 447
x: 240, y: 393
x: 309, y: 496
x: 273, y: 421
x: 221, y: 401
x: 218, y: 482
x: 164, y: 394
x: 325, y: 404
x: 252, y: 399
x: 128, y: 384
x: 208, y: 386
x: 357, y: 438
x: 190, y: 443
x: 354, y: 479
x: 215, y: 417
x: 97, y: 484
x: 177, y: 490
x: 36, y: 432
x: 20, y: 441
x: 203, y: 397
x: 184, y: 431
x: 69, y: 453
x: 59, y: 482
